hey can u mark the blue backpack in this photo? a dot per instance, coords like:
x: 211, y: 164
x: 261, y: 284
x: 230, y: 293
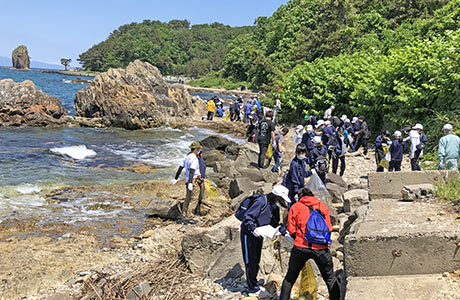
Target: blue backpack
x: 245, y: 205
x: 316, y: 231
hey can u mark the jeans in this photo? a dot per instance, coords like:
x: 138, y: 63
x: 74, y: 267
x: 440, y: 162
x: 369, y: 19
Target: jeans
x: 299, y: 256
x: 252, y: 250
x: 262, y: 152
x: 395, y: 165
x: 277, y: 159
x: 335, y: 164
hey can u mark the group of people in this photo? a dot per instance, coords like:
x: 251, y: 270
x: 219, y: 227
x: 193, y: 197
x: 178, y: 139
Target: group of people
x: 317, y: 143
x: 215, y: 107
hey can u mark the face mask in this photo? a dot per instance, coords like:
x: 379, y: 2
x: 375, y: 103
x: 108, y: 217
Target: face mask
x: 301, y: 156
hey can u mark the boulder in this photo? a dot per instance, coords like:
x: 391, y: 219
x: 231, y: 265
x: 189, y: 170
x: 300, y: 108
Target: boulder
x: 249, y: 153
x: 336, y: 179
x: 213, y: 156
x: 217, y: 142
x: 417, y: 191
x: 79, y: 80
x: 163, y: 208
x: 21, y: 103
x: 232, y: 150
x: 227, y: 167
x: 240, y: 186
x: 139, y: 292
x: 134, y: 98
x: 354, y: 198
x: 20, y: 58
x: 336, y: 192
x: 257, y: 175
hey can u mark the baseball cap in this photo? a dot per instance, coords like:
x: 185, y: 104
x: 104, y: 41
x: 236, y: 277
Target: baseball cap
x: 317, y: 140
x: 447, y: 127
x: 281, y: 191
x: 418, y: 126
x: 397, y: 133
x: 195, y: 145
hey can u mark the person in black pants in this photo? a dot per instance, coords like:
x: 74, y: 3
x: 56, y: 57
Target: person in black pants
x: 382, y: 140
x: 362, y: 135
x: 263, y: 211
x: 339, y: 152
x: 397, y: 148
x: 266, y: 134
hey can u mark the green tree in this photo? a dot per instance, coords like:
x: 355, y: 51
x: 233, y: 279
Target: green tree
x: 66, y: 62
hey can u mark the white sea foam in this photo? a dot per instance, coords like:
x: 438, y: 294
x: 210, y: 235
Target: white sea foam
x: 76, y: 152
x: 27, y: 189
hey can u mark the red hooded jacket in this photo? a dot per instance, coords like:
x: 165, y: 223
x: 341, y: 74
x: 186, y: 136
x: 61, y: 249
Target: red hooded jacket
x: 298, y: 217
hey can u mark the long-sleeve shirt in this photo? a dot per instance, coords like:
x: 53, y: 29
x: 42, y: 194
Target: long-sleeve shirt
x: 397, y: 149
x: 260, y: 213
x: 328, y: 135
x: 307, y: 139
x: 295, y: 178
x: 380, y: 142
x: 449, y: 148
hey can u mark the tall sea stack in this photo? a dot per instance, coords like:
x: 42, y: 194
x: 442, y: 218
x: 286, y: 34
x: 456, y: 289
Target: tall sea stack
x: 20, y: 57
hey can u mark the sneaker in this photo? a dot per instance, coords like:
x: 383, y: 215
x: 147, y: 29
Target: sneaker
x: 258, y: 292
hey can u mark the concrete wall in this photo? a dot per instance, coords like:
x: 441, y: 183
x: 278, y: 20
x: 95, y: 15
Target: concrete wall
x: 389, y: 185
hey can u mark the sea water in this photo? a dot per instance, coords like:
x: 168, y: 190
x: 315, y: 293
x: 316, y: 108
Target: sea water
x: 34, y: 161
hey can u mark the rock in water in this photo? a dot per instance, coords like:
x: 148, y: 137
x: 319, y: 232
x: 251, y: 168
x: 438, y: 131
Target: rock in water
x: 135, y: 98
x: 20, y: 58
x: 21, y: 103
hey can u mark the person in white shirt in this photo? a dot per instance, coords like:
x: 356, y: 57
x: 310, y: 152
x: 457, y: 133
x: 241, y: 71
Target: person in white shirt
x: 192, y: 182
x: 328, y: 113
x: 299, y: 131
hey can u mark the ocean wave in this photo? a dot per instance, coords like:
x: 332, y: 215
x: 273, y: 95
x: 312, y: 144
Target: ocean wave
x: 76, y: 152
x: 27, y: 189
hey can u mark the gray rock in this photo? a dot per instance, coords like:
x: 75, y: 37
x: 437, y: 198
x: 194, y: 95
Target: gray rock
x: 259, y: 175
x: 59, y: 296
x: 336, y: 192
x: 221, y: 180
x: 227, y: 167
x: 163, y: 208
x: 417, y: 191
x: 212, y: 157
x: 336, y: 179
x: 240, y: 186
x: 354, y: 198
x: 139, y: 292
x: 217, y: 142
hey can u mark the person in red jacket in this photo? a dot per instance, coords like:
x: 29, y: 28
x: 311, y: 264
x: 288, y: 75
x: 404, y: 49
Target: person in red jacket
x: 303, y: 250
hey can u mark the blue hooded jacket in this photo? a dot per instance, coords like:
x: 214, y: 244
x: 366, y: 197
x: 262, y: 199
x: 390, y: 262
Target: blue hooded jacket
x: 328, y: 135
x: 294, y: 180
x: 260, y: 213
x: 379, y: 143
x: 248, y: 108
x: 397, y: 149
x: 307, y: 140
x: 322, y: 151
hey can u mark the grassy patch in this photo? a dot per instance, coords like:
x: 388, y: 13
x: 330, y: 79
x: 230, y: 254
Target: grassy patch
x: 448, y: 189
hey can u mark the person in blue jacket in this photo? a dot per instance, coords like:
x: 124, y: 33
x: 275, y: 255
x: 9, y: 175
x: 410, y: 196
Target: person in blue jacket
x: 327, y: 137
x: 319, y: 150
x: 311, y: 120
x: 294, y: 180
x: 264, y: 210
x: 382, y: 140
x: 307, y: 138
x: 339, y: 152
x: 397, y: 148
x: 220, y: 111
x: 247, y: 111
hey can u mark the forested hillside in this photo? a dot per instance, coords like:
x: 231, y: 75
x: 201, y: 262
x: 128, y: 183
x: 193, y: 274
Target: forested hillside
x: 174, y: 47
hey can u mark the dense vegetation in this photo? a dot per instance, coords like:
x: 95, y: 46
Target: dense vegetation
x: 174, y: 47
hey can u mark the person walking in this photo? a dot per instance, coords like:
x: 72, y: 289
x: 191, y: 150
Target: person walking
x: 266, y: 134
x: 383, y: 140
x: 362, y: 134
x: 307, y: 138
x: 397, y: 148
x: 318, y: 158
x: 448, y: 149
x: 418, y: 141
x: 247, y: 111
x: 294, y: 180
x: 263, y: 210
x: 193, y: 181
x: 339, y: 152
x: 278, y: 148
x: 328, y: 113
x: 303, y: 249
x: 211, y: 109
x: 299, y: 132
x: 328, y: 138
x: 276, y: 111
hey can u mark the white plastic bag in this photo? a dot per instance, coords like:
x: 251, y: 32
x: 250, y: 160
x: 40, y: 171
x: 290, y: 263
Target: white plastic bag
x: 316, y: 185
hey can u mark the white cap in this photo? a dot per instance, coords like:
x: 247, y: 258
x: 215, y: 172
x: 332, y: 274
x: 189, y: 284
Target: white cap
x: 327, y: 122
x: 347, y: 121
x: 317, y: 140
x: 397, y: 133
x: 355, y: 119
x: 447, y: 127
x: 332, y: 106
x: 343, y: 118
x: 309, y: 128
x: 320, y: 122
x: 418, y: 126
x: 281, y: 191
x: 299, y: 127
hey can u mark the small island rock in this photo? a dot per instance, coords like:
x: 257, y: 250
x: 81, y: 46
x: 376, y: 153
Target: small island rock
x: 20, y: 58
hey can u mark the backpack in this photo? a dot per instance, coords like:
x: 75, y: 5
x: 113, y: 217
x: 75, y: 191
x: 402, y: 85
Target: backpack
x: 321, y: 165
x: 245, y: 205
x: 316, y: 231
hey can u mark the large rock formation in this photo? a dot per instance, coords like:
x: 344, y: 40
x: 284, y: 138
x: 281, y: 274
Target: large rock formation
x: 20, y: 58
x: 135, y: 98
x: 21, y: 103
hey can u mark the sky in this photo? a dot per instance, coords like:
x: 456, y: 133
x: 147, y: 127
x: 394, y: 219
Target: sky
x: 53, y: 29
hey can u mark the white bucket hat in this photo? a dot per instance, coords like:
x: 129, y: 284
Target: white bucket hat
x: 397, y: 133
x: 344, y: 117
x: 281, y: 191
x: 309, y: 128
x: 317, y: 140
x: 299, y: 127
x: 418, y: 126
x: 320, y: 122
x: 448, y: 127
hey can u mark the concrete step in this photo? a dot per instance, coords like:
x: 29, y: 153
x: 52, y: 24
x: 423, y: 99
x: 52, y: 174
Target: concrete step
x: 403, y: 238
x: 411, y: 287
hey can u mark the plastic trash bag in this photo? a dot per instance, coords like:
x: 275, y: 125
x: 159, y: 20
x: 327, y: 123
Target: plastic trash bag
x: 308, y: 286
x: 269, y: 153
x: 385, y: 162
x: 316, y: 185
x: 211, y: 190
x: 227, y: 117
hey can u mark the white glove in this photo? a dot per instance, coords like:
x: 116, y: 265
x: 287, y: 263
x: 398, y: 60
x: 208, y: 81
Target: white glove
x: 277, y: 233
x: 256, y: 233
x: 190, y: 186
x: 313, y: 171
x: 296, y: 198
x: 174, y: 181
